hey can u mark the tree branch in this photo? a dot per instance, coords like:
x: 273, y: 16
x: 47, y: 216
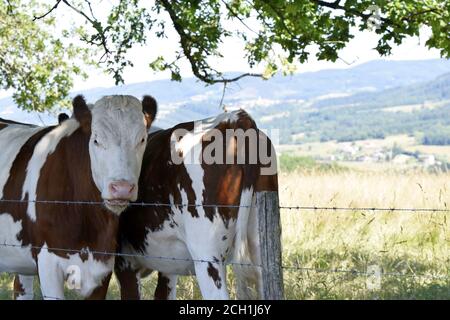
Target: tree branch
x: 97, y: 26
x: 336, y: 6
x: 415, y: 14
x: 234, y: 14
x: 48, y: 12
x: 186, y: 46
x: 280, y: 18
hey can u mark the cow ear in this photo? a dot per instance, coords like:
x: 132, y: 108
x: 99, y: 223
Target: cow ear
x: 62, y: 117
x: 149, y: 107
x: 81, y: 112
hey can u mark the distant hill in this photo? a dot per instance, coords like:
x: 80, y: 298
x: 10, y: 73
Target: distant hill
x: 420, y: 110
x: 345, y: 104
x: 435, y: 90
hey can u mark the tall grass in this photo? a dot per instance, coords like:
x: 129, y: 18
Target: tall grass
x: 413, y: 244
x: 409, y: 243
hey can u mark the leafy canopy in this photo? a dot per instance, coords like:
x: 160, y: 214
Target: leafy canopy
x: 36, y: 64
x: 277, y: 33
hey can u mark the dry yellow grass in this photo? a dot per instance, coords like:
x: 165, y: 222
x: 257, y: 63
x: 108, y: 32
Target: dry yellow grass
x: 398, y: 242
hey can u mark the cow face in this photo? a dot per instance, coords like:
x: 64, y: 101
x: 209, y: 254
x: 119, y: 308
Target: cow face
x: 118, y: 134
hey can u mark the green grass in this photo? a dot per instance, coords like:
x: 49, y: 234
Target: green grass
x: 291, y: 163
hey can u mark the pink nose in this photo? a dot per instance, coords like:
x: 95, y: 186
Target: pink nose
x: 121, y: 189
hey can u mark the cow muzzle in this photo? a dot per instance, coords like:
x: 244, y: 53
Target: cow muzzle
x: 120, y: 192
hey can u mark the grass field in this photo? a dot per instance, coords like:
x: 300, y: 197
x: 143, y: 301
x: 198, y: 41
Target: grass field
x: 413, y: 244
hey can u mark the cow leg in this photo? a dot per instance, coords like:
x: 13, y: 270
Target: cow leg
x: 100, y: 292
x: 211, y: 279
x: 23, y: 287
x: 167, y: 287
x: 51, y: 278
x: 129, y: 280
x: 211, y: 275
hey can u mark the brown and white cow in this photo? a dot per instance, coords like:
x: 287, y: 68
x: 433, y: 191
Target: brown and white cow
x: 95, y: 156
x: 168, y: 238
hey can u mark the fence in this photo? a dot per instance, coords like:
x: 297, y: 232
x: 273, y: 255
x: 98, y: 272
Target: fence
x: 270, y: 240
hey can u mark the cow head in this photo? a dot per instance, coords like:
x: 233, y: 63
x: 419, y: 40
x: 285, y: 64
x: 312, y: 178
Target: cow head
x: 117, y: 126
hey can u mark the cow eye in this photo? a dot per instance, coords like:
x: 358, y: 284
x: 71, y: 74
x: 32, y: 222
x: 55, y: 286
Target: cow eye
x: 96, y: 142
x: 143, y: 140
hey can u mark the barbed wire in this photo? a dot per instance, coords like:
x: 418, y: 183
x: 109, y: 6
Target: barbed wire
x: 128, y: 255
x: 352, y: 272
x: 287, y: 267
x: 190, y: 205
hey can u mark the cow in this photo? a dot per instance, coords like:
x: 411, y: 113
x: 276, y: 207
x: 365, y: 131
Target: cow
x: 93, y: 158
x: 187, y: 234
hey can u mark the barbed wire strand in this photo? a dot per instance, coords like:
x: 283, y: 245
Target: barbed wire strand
x: 287, y: 267
x: 353, y: 272
x: 178, y: 205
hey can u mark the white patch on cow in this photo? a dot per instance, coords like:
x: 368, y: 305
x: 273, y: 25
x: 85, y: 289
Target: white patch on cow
x: 240, y: 246
x: 53, y: 270
x: 12, y: 138
x: 26, y: 283
x: 138, y: 283
x: 213, y: 122
x: 14, y: 256
x: 162, y: 246
x: 191, y: 147
x: 246, y: 248
x: 42, y: 150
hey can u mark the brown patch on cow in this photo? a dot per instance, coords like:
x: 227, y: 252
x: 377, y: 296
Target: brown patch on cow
x: 129, y: 287
x: 229, y: 191
x: 18, y: 288
x: 149, y: 107
x: 214, y: 274
x: 162, y: 289
x: 96, y: 228
x: 6, y: 121
x: 100, y: 292
x: 224, y: 183
x: 266, y: 182
x: 13, y: 189
x: 62, y: 117
x: 82, y: 113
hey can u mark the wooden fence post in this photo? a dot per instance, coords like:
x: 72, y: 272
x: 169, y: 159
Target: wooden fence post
x: 270, y: 243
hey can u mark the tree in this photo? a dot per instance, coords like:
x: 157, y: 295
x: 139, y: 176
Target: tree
x: 293, y: 26
x: 33, y: 61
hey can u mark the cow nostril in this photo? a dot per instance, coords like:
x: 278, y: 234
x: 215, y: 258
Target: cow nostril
x: 121, y: 189
x: 112, y: 187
